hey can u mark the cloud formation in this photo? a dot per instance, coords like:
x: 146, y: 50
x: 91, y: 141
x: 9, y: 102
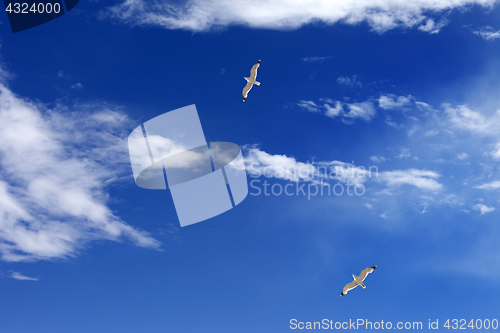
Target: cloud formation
x: 260, y: 163
x: 55, y: 166
x: 391, y: 102
x: 490, y: 186
x: 202, y: 15
x: 347, y: 112
x: 19, y: 276
x: 309, y: 106
x: 77, y: 86
x: 432, y: 27
x: 484, y: 209
x: 315, y: 59
x: 423, y: 179
x: 487, y: 33
x: 464, y: 118
x: 349, y: 81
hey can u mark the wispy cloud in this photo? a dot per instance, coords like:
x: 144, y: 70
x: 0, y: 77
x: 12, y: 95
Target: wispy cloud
x: 487, y: 33
x: 423, y: 179
x: 349, y: 81
x: 364, y: 111
x: 333, y: 112
x: 315, y: 59
x: 475, y: 122
x: 55, y: 167
x: 77, y: 86
x: 347, y: 112
x: 464, y: 118
x: 405, y: 153
x: 309, y: 106
x: 391, y: 102
x: 496, y: 153
x: 260, y: 163
x: 432, y: 27
x: 19, y: 276
x: 484, y: 209
x: 452, y: 200
x: 490, y: 186
x: 200, y: 15
x: 378, y: 159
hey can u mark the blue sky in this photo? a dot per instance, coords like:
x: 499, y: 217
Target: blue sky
x: 408, y: 88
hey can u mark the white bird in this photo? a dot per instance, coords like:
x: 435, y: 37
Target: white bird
x: 358, y: 280
x: 251, y: 80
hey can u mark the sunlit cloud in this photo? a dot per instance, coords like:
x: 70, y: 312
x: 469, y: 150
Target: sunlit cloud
x: 200, y: 15
x: 56, y: 165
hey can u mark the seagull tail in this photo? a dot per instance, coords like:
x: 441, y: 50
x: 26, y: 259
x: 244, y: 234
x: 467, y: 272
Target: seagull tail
x: 257, y: 83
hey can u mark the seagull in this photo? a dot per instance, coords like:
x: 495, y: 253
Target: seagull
x: 358, y: 280
x: 251, y: 80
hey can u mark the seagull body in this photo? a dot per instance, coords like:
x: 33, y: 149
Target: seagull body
x: 251, y: 80
x: 358, y: 280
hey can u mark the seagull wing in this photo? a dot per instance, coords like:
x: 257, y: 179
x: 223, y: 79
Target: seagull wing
x: 253, y: 71
x: 348, y: 287
x: 365, y: 272
x: 246, y: 90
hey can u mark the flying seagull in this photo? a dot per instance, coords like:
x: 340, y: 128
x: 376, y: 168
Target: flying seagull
x: 358, y: 280
x: 251, y: 80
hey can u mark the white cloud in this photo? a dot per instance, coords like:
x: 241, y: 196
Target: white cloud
x: 19, y: 276
x: 405, y: 153
x: 388, y: 121
x: 315, y: 59
x: 364, y: 110
x: 432, y: 27
x: 484, y: 209
x: 452, y: 200
x: 54, y: 169
x: 349, y: 81
x: 423, y: 179
x: 279, y: 166
x: 77, y: 86
x: 462, y: 117
x: 260, y: 163
x: 430, y: 133
x: 490, y: 186
x: 487, y: 33
x: 390, y: 102
x: 309, y: 106
x: 333, y: 112
x: 463, y: 156
x: 378, y: 159
x: 199, y: 15
x: 496, y: 153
